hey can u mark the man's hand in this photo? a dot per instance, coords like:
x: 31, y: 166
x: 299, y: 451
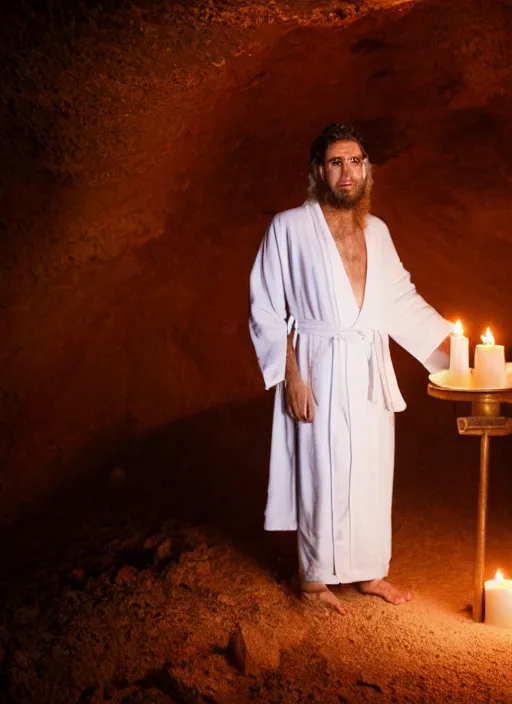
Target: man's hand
x: 299, y: 401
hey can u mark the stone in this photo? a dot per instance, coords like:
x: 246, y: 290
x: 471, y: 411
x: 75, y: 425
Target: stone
x: 150, y: 543
x: 255, y: 649
x: 127, y: 575
x: 164, y: 550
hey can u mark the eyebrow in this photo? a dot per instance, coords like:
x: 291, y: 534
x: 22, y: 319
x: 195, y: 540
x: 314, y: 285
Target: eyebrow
x: 348, y: 156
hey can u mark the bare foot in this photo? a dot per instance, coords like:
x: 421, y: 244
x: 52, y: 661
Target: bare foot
x: 318, y: 593
x: 386, y: 590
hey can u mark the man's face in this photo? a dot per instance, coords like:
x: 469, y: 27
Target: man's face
x: 344, y: 174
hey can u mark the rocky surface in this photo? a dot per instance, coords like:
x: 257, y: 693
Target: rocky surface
x: 145, y: 148
x: 146, y: 151
x: 109, y: 601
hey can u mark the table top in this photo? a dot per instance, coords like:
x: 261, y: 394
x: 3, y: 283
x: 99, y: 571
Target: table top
x: 501, y: 396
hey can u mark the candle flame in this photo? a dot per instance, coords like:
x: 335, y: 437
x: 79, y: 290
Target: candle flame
x: 499, y: 576
x: 457, y: 328
x: 488, y: 338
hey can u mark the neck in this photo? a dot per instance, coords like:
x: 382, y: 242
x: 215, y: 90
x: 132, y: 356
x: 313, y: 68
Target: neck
x: 344, y: 219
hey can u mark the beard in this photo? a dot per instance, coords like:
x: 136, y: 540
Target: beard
x: 327, y: 195
x: 358, y: 202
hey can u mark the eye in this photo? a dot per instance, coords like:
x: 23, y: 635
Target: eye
x: 336, y: 162
x: 356, y: 160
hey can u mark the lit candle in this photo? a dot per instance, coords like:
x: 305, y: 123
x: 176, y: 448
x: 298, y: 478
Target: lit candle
x: 489, y: 363
x: 498, y: 601
x: 459, y: 356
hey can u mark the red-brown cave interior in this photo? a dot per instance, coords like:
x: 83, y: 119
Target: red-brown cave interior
x: 127, y: 256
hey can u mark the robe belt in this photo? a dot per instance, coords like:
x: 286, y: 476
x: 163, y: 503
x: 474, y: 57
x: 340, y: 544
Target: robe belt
x: 367, y: 372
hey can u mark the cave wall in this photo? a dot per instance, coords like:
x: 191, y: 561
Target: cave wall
x: 145, y: 155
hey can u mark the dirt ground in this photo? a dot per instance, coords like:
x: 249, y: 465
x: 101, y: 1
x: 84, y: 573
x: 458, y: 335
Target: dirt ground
x: 121, y: 592
x: 134, y: 433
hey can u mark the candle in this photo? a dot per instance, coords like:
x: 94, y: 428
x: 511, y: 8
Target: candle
x: 489, y: 363
x: 459, y: 356
x: 498, y: 601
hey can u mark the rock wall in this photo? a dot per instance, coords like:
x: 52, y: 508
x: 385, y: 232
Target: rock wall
x: 145, y: 151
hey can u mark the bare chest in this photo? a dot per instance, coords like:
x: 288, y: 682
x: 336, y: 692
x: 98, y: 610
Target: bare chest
x: 353, y: 254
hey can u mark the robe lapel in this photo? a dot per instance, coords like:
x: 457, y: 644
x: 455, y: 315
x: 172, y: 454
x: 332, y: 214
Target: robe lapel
x: 349, y: 312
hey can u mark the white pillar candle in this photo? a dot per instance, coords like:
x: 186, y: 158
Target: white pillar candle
x: 459, y: 357
x: 498, y: 601
x: 489, y: 363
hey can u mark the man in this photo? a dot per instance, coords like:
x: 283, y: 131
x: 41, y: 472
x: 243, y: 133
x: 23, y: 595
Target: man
x: 327, y: 289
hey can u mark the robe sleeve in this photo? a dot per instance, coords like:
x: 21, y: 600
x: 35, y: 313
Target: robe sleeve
x: 268, y: 312
x: 411, y: 321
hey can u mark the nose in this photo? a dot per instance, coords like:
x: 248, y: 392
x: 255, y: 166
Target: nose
x: 346, y: 173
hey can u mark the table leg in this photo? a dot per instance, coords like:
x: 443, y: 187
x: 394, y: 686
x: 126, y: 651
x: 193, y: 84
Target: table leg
x: 481, y: 529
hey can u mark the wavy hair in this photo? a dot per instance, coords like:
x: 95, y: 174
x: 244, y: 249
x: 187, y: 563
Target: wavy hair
x: 318, y: 189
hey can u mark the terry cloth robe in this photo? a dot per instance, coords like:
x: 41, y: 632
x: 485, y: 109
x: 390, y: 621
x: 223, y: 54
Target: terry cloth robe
x: 331, y: 480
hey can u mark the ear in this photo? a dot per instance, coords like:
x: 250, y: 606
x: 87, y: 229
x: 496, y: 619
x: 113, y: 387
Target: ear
x: 321, y: 171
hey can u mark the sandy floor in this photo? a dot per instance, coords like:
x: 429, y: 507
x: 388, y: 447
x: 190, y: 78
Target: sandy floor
x: 112, y: 598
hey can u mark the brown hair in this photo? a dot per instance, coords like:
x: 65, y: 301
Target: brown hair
x: 317, y: 190
x: 335, y: 132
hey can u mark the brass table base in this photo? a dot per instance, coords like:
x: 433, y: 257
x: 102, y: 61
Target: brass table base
x: 485, y: 421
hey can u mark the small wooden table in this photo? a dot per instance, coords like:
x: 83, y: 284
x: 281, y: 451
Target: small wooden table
x: 485, y: 420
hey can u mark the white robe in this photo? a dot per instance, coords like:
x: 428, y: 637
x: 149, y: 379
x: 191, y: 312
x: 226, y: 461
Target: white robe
x: 331, y: 480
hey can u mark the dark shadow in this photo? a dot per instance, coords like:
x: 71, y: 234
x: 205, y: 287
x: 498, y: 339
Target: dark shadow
x: 210, y: 468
